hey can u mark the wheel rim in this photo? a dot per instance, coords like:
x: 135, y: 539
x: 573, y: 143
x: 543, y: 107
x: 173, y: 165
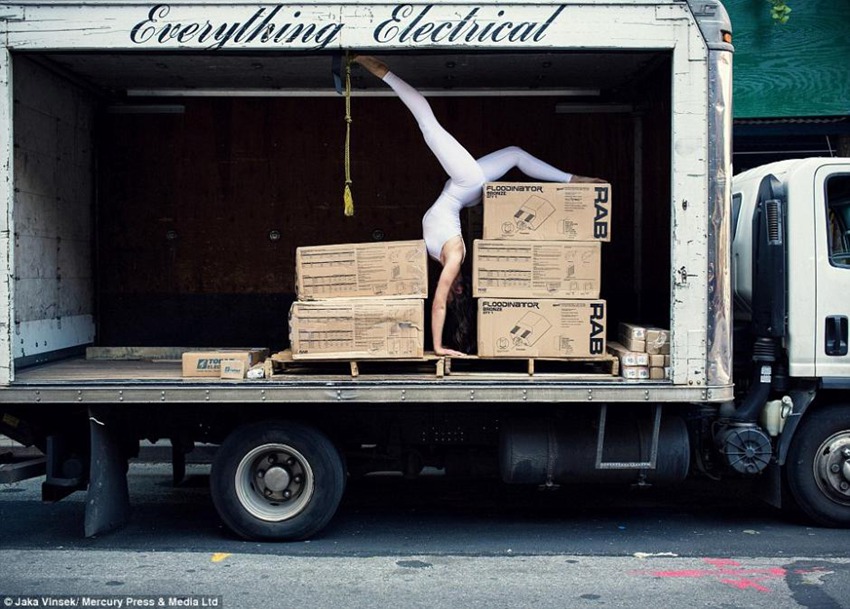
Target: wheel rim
x: 274, y: 482
x: 832, y: 467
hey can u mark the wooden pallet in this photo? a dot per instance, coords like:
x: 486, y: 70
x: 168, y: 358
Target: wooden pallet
x: 283, y: 363
x: 603, y: 366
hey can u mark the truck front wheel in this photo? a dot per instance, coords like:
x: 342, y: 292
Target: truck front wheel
x: 276, y: 481
x: 818, y: 466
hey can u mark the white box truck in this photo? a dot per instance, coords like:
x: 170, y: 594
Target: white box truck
x: 162, y: 161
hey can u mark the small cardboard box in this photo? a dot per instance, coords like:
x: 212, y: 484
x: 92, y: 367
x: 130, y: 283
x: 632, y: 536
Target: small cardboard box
x: 634, y: 372
x: 536, y: 269
x: 632, y: 337
x: 632, y: 331
x: 628, y: 358
x: 547, y: 211
x: 520, y: 328
x: 233, y: 369
x: 633, y: 345
x: 209, y: 363
x: 360, y: 328
x: 657, y: 341
x: 656, y: 372
x: 391, y: 268
x: 657, y: 360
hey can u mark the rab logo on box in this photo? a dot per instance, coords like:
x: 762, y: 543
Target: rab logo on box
x: 597, y: 342
x: 600, y: 220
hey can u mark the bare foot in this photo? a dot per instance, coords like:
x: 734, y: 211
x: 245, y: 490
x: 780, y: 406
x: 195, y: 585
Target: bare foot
x: 375, y: 66
x: 586, y: 180
x: 449, y: 352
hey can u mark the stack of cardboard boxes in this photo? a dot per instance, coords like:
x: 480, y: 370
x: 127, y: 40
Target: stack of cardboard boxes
x: 358, y: 301
x: 537, y: 271
x: 644, y: 351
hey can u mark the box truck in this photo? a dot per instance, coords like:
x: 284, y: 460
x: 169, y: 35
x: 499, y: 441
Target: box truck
x: 162, y: 161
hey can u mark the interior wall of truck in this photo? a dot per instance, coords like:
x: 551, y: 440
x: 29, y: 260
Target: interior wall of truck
x: 160, y: 198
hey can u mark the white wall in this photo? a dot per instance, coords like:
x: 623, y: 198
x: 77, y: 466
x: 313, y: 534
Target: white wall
x: 53, y: 202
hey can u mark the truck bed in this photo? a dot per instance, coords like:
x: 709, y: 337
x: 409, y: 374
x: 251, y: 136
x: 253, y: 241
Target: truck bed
x: 79, y: 380
x: 82, y: 370
x: 85, y: 370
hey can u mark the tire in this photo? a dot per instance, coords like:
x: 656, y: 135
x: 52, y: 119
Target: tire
x: 276, y: 481
x: 818, y: 466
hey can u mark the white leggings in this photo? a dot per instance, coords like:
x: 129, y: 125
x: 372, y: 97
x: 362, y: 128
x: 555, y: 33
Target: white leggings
x: 466, y: 174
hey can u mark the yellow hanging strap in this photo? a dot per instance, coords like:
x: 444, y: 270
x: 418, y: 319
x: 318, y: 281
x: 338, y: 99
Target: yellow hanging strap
x: 347, y: 198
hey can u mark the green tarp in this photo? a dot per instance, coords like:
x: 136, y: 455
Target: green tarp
x: 799, y: 69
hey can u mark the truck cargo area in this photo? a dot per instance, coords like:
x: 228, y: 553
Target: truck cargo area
x: 160, y: 197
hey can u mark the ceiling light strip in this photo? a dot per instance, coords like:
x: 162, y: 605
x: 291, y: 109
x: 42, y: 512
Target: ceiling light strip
x: 377, y: 93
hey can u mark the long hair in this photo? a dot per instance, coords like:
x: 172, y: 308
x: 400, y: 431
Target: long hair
x: 461, y: 320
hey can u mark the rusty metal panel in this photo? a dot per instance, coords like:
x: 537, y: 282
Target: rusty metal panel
x: 6, y: 205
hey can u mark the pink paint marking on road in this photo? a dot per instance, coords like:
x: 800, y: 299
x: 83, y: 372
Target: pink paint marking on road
x: 728, y: 572
x: 743, y: 584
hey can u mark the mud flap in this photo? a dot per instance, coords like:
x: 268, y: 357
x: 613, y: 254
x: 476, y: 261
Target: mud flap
x: 768, y: 485
x: 108, y: 500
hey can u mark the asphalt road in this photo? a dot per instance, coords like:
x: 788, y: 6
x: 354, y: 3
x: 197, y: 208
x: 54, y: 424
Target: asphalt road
x: 430, y: 543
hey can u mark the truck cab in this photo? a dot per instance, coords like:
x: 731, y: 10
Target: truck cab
x: 791, y: 277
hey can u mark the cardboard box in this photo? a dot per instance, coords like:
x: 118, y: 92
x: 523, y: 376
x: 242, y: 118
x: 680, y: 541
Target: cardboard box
x: 209, y: 363
x: 657, y: 360
x: 631, y: 331
x: 632, y: 337
x: 377, y: 328
x: 519, y: 328
x: 536, y: 269
x: 657, y: 341
x: 547, y: 211
x: 233, y: 369
x: 658, y: 372
x: 626, y: 357
x: 391, y: 268
x: 631, y: 344
x: 634, y: 372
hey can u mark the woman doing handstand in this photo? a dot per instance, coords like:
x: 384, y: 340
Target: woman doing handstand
x: 467, y: 175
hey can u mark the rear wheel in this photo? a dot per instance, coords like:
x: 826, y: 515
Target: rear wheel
x: 277, y: 481
x: 818, y: 466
